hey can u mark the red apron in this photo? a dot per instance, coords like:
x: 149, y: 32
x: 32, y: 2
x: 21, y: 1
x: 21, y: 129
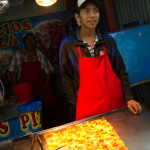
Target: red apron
x: 100, y: 89
x: 32, y: 72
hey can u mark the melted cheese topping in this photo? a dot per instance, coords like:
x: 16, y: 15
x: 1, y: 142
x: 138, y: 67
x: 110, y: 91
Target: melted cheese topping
x: 93, y: 135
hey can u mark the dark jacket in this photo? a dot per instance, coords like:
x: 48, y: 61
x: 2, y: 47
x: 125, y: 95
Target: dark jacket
x: 69, y: 65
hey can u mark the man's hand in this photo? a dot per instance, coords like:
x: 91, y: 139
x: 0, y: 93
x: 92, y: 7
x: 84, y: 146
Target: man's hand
x: 134, y: 106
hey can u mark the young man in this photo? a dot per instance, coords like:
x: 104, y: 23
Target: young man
x: 31, y: 65
x: 92, y: 69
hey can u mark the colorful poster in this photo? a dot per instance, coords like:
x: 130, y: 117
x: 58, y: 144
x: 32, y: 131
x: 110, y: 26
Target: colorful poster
x: 28, y: 122
x: 25, y: 124
x: 48, y: 29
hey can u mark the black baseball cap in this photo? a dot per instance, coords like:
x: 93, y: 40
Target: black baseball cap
x: 82, y: 4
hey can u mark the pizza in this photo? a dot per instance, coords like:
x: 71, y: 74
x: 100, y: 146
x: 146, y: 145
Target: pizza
x: 91, y: 135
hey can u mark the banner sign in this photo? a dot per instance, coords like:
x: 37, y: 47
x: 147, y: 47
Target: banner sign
x: 25, y: 124
x: 48, y: 29
x: 28, y: 122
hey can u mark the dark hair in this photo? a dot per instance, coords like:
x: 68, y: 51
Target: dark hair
x: 29, y: 34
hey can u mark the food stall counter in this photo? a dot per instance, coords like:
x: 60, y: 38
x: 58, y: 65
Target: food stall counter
x: 134, y: 130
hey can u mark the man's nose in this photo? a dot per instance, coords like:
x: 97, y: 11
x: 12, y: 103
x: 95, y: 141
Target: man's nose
x: 92, y: 13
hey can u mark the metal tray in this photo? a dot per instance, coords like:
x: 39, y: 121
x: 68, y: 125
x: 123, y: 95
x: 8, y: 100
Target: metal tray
x: 134, y: 130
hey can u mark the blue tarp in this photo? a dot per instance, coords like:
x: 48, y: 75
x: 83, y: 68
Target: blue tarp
x: 134, y: 46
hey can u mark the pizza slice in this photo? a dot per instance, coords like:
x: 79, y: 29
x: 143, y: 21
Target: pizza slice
x: 90, y: 135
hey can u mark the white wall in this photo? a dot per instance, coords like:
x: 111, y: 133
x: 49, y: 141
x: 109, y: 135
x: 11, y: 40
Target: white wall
x: 31, y: 9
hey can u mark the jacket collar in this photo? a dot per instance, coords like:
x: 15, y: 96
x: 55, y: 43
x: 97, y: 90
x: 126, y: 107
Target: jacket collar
x: 79, y: 41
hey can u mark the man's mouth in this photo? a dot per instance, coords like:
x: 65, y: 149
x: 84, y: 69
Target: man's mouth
x: 92, y: 22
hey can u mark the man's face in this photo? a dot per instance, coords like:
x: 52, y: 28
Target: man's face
x: 30, y: 42
x: 89, y: 16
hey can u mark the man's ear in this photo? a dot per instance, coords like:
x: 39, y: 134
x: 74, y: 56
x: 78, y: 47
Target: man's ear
x: 77, y: 17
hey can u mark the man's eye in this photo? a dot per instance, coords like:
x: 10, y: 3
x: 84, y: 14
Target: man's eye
x: 86, y: 11
x: 96, y: 10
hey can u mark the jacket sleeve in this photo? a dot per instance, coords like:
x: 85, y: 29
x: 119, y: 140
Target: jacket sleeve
x: 66, y: 69
x: 120, y: 70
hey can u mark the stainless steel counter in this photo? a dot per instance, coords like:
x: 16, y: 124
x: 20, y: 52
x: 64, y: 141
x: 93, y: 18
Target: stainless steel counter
x: 134, y: 130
